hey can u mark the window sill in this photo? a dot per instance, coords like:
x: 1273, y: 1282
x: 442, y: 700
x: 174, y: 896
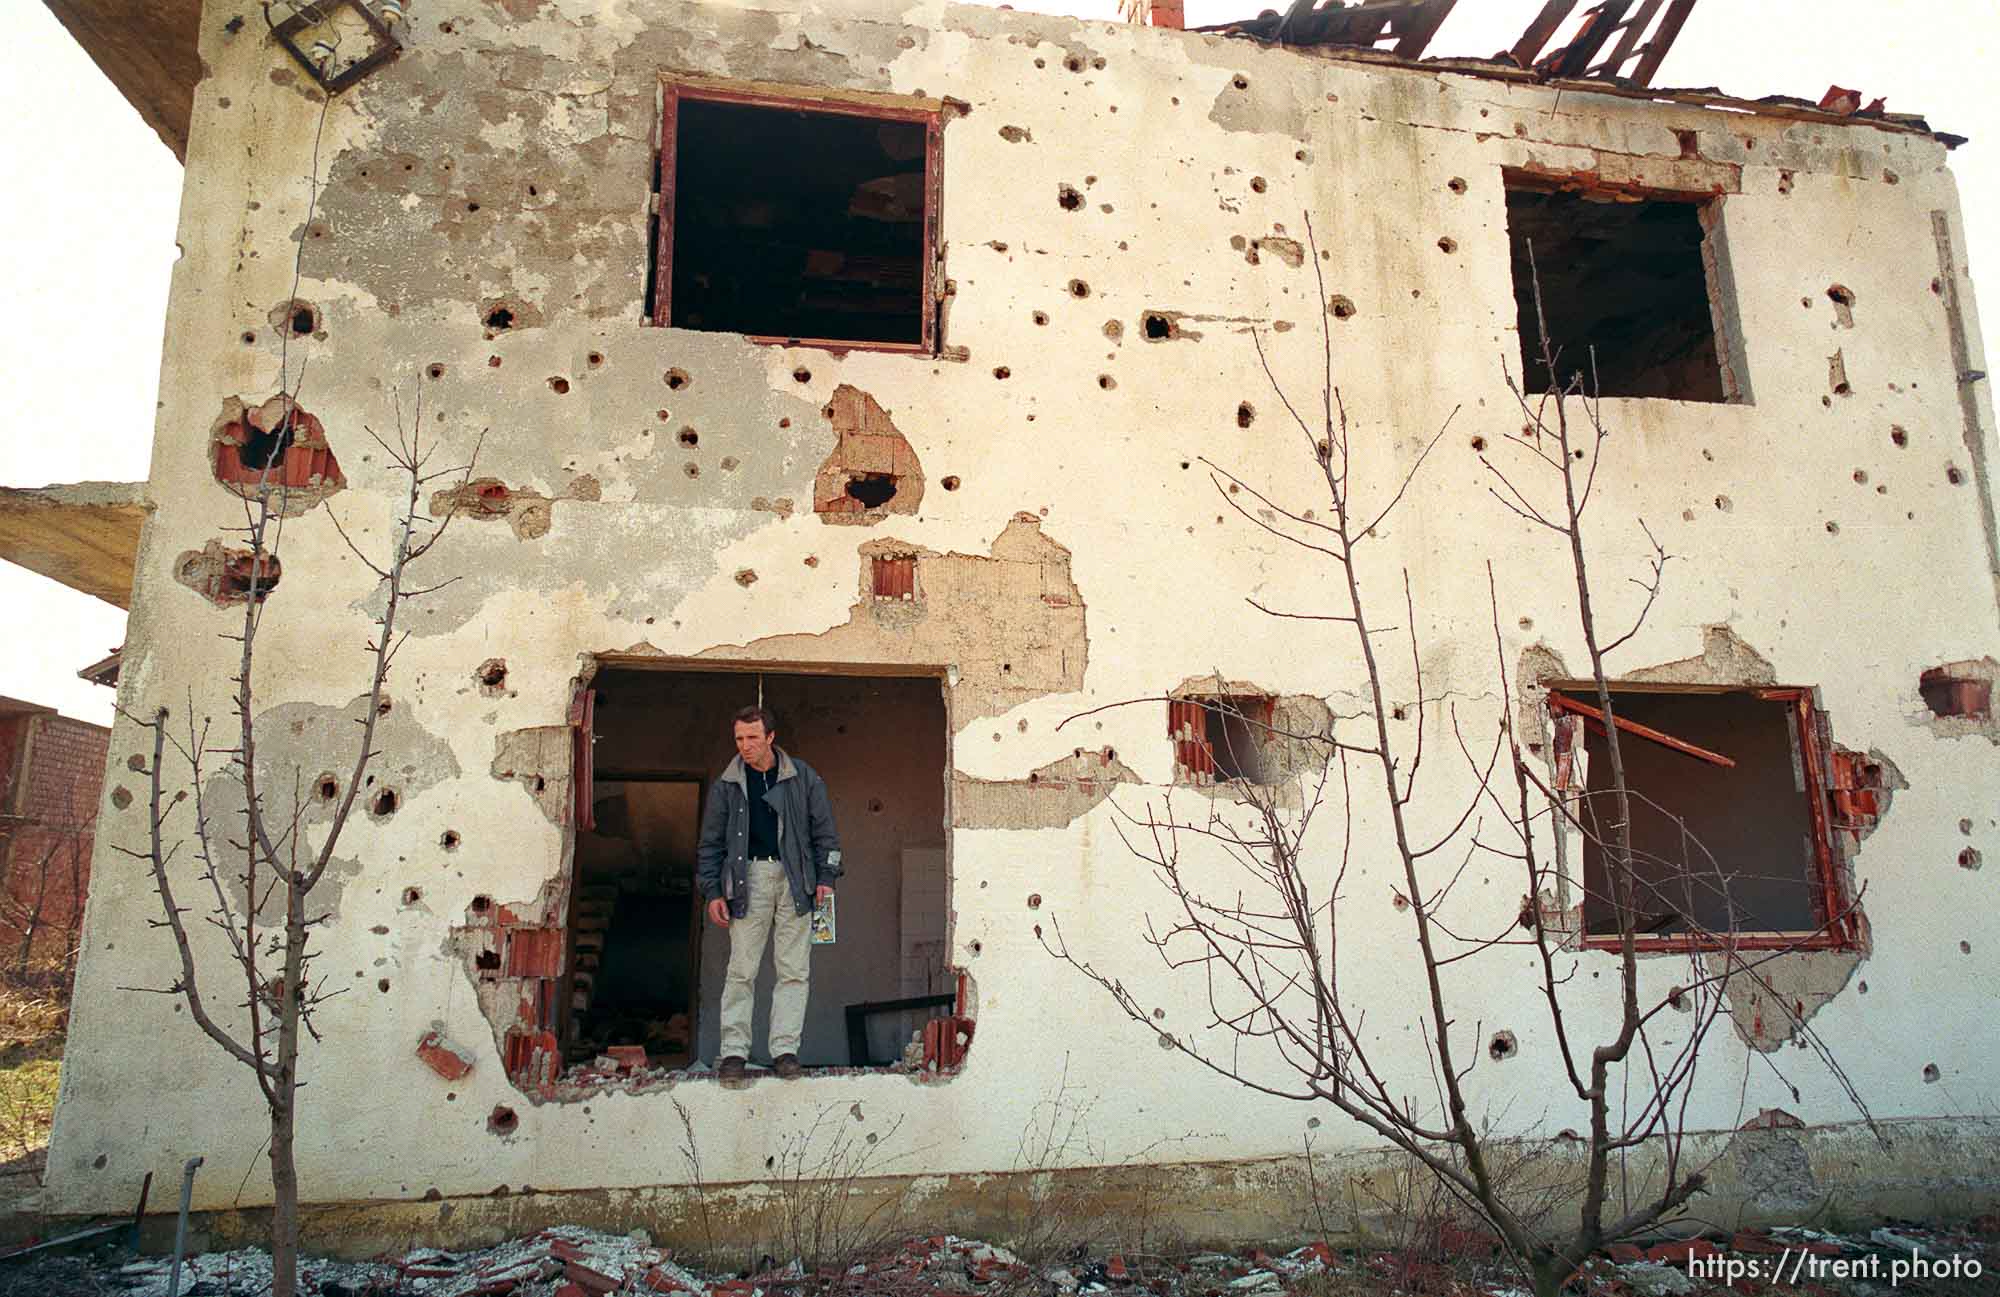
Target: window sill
x: 1719, y: 944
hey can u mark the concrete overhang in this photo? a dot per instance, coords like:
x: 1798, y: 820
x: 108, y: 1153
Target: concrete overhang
x: 148, y: 50
x: 84, y: 535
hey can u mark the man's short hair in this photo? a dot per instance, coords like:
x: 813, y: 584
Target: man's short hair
x: 756, y: 716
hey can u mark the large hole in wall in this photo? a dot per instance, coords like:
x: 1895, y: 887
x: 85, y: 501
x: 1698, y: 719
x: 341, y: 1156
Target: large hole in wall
x: 795, y: 223
x: 642, y: 967
x: 1622, y: 276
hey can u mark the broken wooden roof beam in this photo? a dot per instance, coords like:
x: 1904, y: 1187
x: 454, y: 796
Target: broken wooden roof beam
x: 1645, y: 30
x: 1409, y: 23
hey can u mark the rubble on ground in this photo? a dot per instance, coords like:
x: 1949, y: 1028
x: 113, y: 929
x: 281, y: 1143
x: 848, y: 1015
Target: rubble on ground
x: 570, y: 1261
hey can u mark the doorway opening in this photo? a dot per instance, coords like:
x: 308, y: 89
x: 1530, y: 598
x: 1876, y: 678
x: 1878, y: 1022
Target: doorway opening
x: 643, y: 969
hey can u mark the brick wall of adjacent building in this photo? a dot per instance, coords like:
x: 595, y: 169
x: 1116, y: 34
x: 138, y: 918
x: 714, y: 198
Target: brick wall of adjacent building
x: 51, y: 770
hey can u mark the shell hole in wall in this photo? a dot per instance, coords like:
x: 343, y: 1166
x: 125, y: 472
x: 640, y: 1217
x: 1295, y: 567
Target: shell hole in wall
x: 327, y: 787
x: 873, y: 490
x: 500, y: 318
x: 305, y: 319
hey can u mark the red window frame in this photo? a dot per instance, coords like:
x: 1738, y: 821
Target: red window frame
x: 1840, y: 920
x: 673, y: 92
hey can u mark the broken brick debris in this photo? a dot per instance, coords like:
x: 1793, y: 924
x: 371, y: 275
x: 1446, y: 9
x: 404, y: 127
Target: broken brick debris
x: 448, y: 1060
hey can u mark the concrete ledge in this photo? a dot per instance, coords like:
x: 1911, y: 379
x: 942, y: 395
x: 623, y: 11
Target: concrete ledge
x: 1929, y: 1169
x: 85, y: 534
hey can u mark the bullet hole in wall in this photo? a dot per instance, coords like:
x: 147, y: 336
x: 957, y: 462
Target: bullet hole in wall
x: 499, y: 319
x: 327, y: 786
x: 1106, y: 381
x: 1447, y: 244
x: 1832, y: 527
x: 802, y: 375
x: 382, y: 985
x: 383, y: 804
x: 502, y: 1121
x: 1953, y: 475
x: 1502, y: 1046
x: 1724, y: 503
x: 1931, y: 1073
x: 677, y: 379
x: 492, y: 676
x: 1342, y: 306
x: 1246, y: 414
x: 1240, y: 81
x: 1041, y: 317
x: 1077, y: 288
x: 950, y: 484
x: 436, y: 371
x: 1843, y: 305
x: 412, y: 895
x: 595, y: 358
x: 1002, y: 372
x: 481, y: 904
x: 1158, y: 327
x: 1456, y: 184
x: 689, y: 437
x: 746, y: 577
x: 450, y: 840
x: 1479, y: 444
x: 1970, y: 858
x: 1068, y: 198
x: 249, y: 338
x: 559, y: 385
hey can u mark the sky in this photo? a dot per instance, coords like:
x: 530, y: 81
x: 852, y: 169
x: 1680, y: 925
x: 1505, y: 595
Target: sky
x: 87, y: 235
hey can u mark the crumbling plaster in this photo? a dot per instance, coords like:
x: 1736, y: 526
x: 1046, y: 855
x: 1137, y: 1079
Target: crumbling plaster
x: 542, y: 115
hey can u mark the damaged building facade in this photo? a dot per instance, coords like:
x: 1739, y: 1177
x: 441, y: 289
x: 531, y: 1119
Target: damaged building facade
x: 870, y: 361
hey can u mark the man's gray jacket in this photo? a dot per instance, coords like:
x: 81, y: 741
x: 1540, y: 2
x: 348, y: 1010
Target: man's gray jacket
x: 807, y: 843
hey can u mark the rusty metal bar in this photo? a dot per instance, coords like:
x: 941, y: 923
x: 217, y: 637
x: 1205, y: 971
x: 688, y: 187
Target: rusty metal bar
x: 1566, y: 703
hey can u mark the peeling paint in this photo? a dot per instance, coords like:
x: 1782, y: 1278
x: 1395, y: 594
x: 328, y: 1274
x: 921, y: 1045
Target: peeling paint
x: 1012, y: 622
x: 1052, y: 796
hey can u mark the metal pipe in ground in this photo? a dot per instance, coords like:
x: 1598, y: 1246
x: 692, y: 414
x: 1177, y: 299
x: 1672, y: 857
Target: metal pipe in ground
x: 181, y: 1225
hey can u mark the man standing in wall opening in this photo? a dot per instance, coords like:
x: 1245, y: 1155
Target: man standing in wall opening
x: 768, y: 855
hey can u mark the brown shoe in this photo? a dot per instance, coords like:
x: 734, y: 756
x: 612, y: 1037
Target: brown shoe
x: 787, y: 1067
x: 731, y: 1068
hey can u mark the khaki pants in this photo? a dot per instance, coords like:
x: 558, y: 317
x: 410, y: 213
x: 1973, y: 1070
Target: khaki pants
x: 772, y: 918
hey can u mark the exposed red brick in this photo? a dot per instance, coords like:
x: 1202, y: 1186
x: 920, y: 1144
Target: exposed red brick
x: 443, y: 1057
x: 630, y: 1058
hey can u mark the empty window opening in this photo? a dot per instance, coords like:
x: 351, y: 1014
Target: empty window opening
x: 1622, y: 276
x: 797, y: 220
x: 641, y: 965
x: 1221, y: 737
x: 1728, y: 798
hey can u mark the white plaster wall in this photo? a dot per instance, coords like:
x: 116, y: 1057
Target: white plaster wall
x: 554, y: 93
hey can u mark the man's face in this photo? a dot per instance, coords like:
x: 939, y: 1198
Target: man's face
x: 753, y: 744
